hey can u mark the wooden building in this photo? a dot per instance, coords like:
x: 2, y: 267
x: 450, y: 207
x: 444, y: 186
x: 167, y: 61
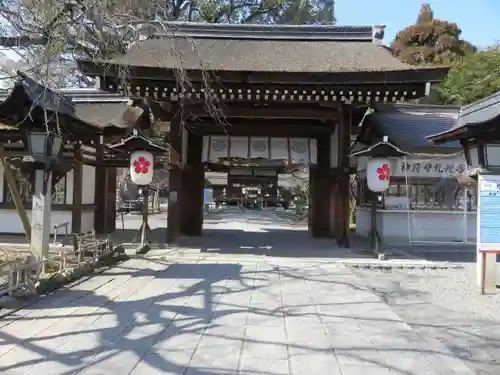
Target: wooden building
x: 427, y: 199
x: 87, y: 119
x: 286, y: 84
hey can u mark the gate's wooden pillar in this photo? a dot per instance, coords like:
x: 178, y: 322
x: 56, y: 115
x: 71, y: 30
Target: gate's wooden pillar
x: 193, y: 182
x: 76, y: 211
x: 321, y: 190
x: 175, y: 183
x: 101, y: 191
x: 341, y: 193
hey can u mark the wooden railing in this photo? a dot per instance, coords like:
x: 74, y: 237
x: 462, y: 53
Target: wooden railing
x: 22, y: 274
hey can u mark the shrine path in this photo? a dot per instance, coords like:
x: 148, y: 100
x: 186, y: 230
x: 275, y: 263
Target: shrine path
x: 217, y: 311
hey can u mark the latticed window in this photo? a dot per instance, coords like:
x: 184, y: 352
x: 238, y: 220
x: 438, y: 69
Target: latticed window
x: 25, y: 185
x: 59, y: 192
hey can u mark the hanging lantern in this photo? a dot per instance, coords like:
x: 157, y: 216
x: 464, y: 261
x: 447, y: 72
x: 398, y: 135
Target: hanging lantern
x: 378, y: 173
x: 141, y: 167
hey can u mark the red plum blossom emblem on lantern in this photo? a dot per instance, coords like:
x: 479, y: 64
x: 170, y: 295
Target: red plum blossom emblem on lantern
x: 141, y: 165
x: 384, y: 172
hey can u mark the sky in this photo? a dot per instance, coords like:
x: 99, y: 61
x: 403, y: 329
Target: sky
x: 478, y: 19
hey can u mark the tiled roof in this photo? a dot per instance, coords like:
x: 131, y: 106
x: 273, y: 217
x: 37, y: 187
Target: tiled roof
x: 472, y: 115
x: 408, y: 126
x: 93, y: 106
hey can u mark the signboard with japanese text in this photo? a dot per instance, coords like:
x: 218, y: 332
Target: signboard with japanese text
x: 430, y: 168
x: 488, y: 213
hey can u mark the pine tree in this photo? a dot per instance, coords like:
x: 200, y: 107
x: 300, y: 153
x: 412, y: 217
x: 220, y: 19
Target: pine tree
x: 430, y: 41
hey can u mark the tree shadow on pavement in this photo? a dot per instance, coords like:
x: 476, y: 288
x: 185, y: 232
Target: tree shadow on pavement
x: 163, y: 317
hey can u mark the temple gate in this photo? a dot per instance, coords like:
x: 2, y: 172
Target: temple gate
x: 272, y: 82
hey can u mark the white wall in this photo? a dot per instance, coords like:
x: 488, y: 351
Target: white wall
x: 70, y: 182
x: 88, y: 193
x: 439, y: 226
x: 87, y: 221
x: 11, y: 223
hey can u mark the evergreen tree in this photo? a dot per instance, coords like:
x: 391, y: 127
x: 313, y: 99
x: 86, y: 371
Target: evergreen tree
x: 430, y: 41
x: 473, y: 78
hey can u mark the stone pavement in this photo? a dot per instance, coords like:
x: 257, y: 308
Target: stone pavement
x: 255, y: 296
x: 211, y: 317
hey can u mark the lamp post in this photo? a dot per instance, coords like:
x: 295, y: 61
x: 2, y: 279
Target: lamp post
x: 378, y: 174
x: 43, y: 154
x: 141, y: 151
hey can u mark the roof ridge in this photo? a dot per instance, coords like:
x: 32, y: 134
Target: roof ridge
x: 272, y: 32
x: 98, y: 96
x: 487, y: 101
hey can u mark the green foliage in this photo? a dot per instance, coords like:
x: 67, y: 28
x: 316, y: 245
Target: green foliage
x: 430, y: 41
x: 470, y: 79
x: 265, y: 11
x: 300, y: 12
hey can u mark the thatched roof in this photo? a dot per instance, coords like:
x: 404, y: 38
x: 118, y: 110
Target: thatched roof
x: 263, y: 48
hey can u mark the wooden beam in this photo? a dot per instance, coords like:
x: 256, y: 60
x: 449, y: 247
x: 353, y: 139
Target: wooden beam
x: 16, y: 196
x: 350, y: 93
x: 352, y: 80
x: 304, y: 112
x: 261, y: 127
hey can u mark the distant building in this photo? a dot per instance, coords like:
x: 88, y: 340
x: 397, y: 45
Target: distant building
x: 429, y: 198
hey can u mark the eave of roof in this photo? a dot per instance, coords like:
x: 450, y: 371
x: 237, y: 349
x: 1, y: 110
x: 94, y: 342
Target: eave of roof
x: 90, y: 106
x: 382, y: 148
x: 472, y: 116
x: 82, y: 95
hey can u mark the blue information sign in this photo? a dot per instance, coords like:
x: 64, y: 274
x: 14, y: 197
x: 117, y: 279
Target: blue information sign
x: 206, y: 196
x: 488, y: 212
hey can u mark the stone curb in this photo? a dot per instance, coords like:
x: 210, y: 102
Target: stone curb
x: 405, y: 266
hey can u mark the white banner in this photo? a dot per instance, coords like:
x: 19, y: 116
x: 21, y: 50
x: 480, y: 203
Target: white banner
x: 289, y: 150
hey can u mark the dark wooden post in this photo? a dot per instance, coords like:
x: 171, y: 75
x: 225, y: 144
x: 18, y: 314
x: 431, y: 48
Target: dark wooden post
x: 175, y: 182
x: 342, y: 186
x: 76, y: 211
x: 100, y: 213
x: 193, y: 182
x: 321, y: 190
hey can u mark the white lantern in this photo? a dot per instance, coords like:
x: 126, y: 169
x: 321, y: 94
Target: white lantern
x: 141, y: 167
x: 378, y: 173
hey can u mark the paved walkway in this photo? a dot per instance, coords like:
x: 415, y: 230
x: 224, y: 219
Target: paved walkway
x: 217, y: 318
x: 218, y: 315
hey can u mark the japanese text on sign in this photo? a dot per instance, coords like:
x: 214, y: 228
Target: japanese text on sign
x: 430, y: 168
x: 488, y: 213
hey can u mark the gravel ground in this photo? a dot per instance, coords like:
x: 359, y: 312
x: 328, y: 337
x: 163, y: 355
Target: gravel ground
x: 445, y: 305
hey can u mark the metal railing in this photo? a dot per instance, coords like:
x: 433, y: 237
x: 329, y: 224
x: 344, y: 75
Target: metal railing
x: 55, y: 230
